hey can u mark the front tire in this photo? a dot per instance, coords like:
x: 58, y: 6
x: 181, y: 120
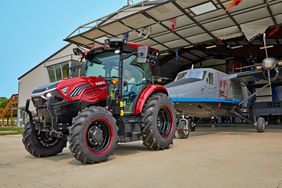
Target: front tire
x: 41, y: 144
x: 158, y: 122
x: 93, y: 135
x: 260, y: 125
x: 184, y: 128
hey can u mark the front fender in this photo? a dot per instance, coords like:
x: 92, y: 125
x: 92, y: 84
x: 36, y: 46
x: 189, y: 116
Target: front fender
x: 147, y: 91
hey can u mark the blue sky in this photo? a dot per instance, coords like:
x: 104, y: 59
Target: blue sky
x: 31, y: 30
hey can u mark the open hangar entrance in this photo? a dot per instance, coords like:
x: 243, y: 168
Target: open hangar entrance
x: 230, y: 56
x: 224, y: 35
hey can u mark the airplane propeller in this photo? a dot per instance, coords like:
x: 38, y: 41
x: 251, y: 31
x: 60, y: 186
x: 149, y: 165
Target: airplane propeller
x: 269, y: 64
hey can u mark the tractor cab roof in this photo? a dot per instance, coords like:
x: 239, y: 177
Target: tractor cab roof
x: 128, y: 47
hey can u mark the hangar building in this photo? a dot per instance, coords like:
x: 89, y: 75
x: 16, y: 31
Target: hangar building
x: 222, y: 34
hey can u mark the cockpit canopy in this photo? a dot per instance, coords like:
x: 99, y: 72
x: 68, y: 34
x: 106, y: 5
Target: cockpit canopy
x: 197, y: 74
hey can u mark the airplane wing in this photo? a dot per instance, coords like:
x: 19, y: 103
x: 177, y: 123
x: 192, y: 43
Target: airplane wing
x: 246, y: 76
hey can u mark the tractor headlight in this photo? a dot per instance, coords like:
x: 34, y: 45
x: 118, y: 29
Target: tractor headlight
x: 48, y: 95
x: 269, y: 63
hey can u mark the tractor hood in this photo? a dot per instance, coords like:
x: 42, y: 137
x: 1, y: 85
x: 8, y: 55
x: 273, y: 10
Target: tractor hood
x: 80, y: 87
x: 41, y: 90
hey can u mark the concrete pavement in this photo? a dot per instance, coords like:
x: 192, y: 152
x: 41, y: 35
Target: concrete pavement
x: 211, y: 157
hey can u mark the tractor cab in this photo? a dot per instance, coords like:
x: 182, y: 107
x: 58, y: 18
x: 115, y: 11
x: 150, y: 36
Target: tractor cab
x: 134, y: 77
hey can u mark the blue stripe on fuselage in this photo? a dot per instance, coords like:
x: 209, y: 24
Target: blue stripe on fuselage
x: 205, y: 100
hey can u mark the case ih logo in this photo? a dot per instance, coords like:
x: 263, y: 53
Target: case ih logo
x: 100, y: 83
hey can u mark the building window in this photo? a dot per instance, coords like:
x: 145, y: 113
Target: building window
x: 61, y: 71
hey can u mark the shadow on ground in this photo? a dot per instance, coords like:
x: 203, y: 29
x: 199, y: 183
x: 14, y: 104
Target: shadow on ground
x: 136, y: 147
x: 122, y: 149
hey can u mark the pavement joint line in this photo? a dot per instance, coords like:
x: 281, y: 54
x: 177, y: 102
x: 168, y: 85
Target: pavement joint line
x: 28, y: 179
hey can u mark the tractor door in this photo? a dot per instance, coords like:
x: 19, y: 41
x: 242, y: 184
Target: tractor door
x: 136, y: 77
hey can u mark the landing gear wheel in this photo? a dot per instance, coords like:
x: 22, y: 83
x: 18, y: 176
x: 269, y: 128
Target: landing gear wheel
x: 93, y: 135
x: 184, y: 128
x: 42, y: 144
x: 158, y: 122
x: 260, y: 125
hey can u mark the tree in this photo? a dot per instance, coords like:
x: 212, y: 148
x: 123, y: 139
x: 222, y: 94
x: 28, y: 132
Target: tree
x: 3, y: 102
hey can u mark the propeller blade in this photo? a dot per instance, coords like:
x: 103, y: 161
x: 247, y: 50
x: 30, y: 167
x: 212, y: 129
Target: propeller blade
x: 264, y: 43
x: 249, y: 66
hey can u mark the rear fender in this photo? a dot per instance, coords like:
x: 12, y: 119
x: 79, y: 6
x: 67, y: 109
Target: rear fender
x: 147, y: 92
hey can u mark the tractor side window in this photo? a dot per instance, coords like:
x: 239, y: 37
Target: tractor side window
x: 210, y: 78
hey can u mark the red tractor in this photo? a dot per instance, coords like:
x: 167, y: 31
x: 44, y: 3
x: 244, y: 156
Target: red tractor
x: 116, y: 101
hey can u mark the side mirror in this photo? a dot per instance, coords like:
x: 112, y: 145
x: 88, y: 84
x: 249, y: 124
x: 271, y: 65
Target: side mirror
x: 142, y: 52
x: 78, y: 51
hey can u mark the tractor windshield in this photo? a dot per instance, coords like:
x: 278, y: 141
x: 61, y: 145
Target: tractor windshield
x: 104, y: 64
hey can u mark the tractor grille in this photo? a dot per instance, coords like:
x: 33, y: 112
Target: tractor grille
x: 39, y: 102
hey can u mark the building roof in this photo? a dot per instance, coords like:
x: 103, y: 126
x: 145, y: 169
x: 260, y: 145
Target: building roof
x: 57, y: 52
x: 151, y: 22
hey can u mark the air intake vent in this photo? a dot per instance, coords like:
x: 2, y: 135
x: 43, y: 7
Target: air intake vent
x: 78, y: 90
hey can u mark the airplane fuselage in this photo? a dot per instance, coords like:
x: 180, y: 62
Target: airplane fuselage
x: 206, y: 93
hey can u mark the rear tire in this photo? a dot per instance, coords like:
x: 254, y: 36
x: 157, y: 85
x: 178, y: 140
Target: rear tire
x: 260, y: 125
x: 93, y: 135
x: 158, y: 122
x: 41, y: 144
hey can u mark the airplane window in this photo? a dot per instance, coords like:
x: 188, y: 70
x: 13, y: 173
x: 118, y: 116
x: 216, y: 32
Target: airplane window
x: 196, y: 74
x: 210, y: 78
x: 181, y: 75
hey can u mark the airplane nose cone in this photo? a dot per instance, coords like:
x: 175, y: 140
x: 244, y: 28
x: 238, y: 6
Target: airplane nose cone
x: 171, y: 92
x: 269, y: 63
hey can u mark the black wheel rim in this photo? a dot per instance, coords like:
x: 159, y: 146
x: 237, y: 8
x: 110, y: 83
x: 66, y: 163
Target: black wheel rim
x: 164, y: 122
x: 45, y: 139
x: 99, y: 136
